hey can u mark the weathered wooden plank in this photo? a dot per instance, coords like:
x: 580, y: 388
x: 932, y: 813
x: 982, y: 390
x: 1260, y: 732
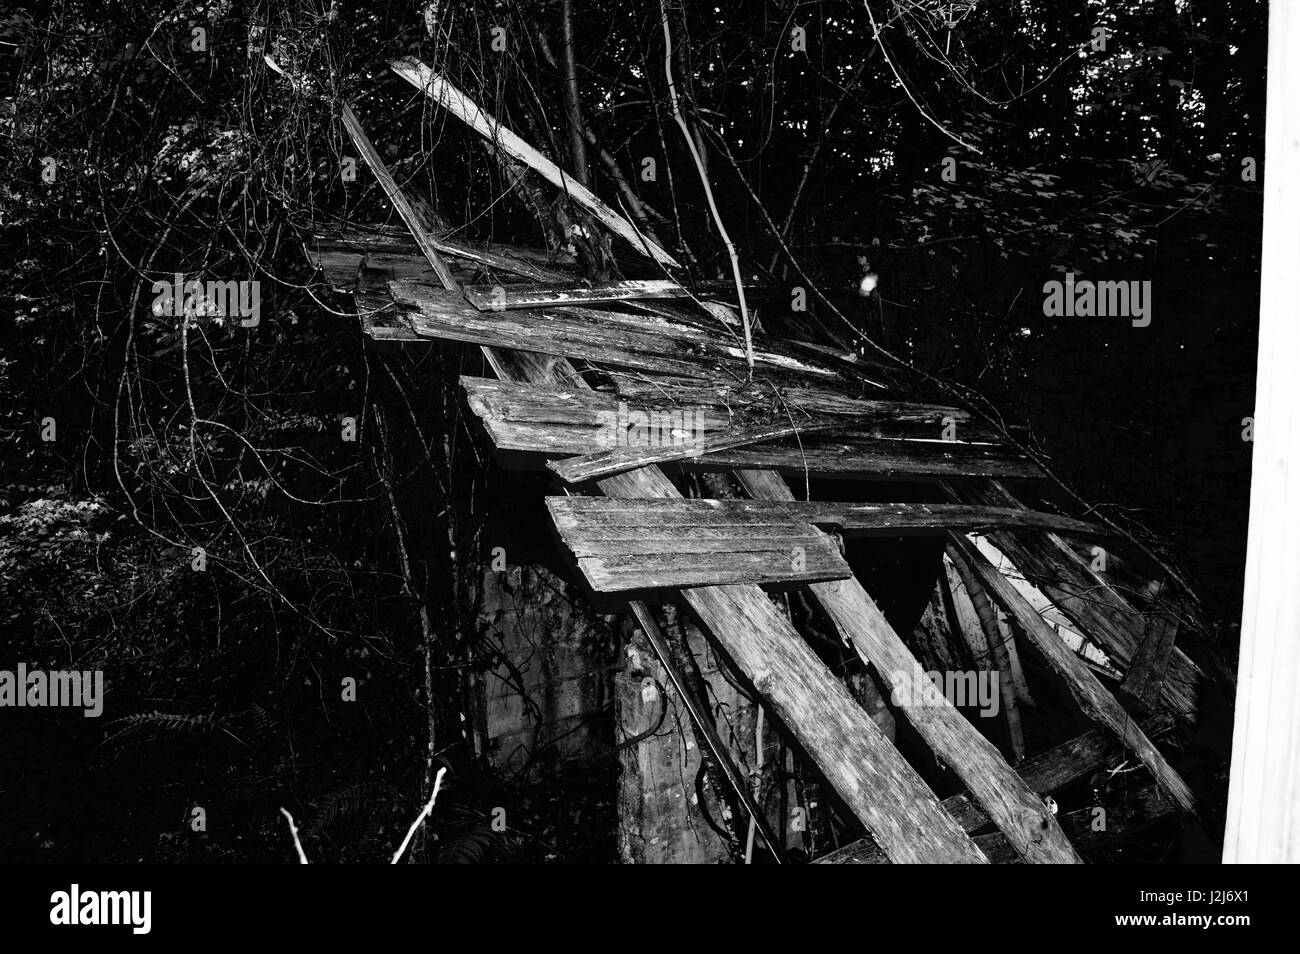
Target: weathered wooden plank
x: 881, y: 789
x: 1146, y: 673
x: 1095, y: 608
x: 762, y: 401
x: 437, y: 88
x: 672, y: 552
x: 1046, y: 773
x: 1087, y: 691
x: 712, y: 407
x: 705, y: 728
x: 340, y: 252
x: 616, y: 460
x: 437, y: 314
x: 1019, y: 813
x: 565, y: 422
x: 646, y: 514
x: 609, y: 337
x: 509, y: 297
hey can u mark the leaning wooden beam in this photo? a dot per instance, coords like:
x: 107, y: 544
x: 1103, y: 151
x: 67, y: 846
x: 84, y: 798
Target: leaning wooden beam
x: 1146, y: 673
x: 1019, y: 813
x: 403, y: 207
x: 1046, y: 773
x: 999, y: 660
x: 442, y: 92
x: 1086, y: 690
x: 508, y: 297
x: 1095, y: 608
x: 634, y: 545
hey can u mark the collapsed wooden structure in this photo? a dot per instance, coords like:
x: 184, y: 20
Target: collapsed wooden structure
x: 611, y: 387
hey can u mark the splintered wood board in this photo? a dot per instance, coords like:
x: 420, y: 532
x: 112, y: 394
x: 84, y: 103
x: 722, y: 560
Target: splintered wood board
x: 605, y: 337
x: 339, y: 252
x: 1086, y: 597
x: 642, y: 544
x: 540, y: 295
x: 556, y: 422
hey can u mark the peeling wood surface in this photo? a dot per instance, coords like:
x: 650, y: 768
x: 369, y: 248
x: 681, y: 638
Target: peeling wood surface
x: 441, y: 91
x: 1018, y: 812
x: 559, y: 423
x: 1150, y: 666
x: 508, y: 297
x: 1085, y: 688
x: 642, y: 544
x: 600, y: 336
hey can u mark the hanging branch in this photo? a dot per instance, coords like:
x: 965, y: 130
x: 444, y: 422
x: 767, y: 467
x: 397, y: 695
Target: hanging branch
x: 704, y: 180
x: 921, y: 109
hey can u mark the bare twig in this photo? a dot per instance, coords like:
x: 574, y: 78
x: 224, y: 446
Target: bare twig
x: 293, y: 830
x: 704, y: 180
x: 428, y: 808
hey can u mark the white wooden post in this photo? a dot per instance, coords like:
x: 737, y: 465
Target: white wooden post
x: 1264, y: 792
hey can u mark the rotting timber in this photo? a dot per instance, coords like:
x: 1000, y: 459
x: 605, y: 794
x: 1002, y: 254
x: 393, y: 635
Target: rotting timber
x: 587, y: 376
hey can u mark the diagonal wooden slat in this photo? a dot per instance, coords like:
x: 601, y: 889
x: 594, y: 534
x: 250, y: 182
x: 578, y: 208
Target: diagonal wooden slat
x: 1016, y: 810
x: 1085, y: 688
x: 544, y: 295
x: 1096, y: 609
x: 1046, y: 773
x: 442, y: 92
